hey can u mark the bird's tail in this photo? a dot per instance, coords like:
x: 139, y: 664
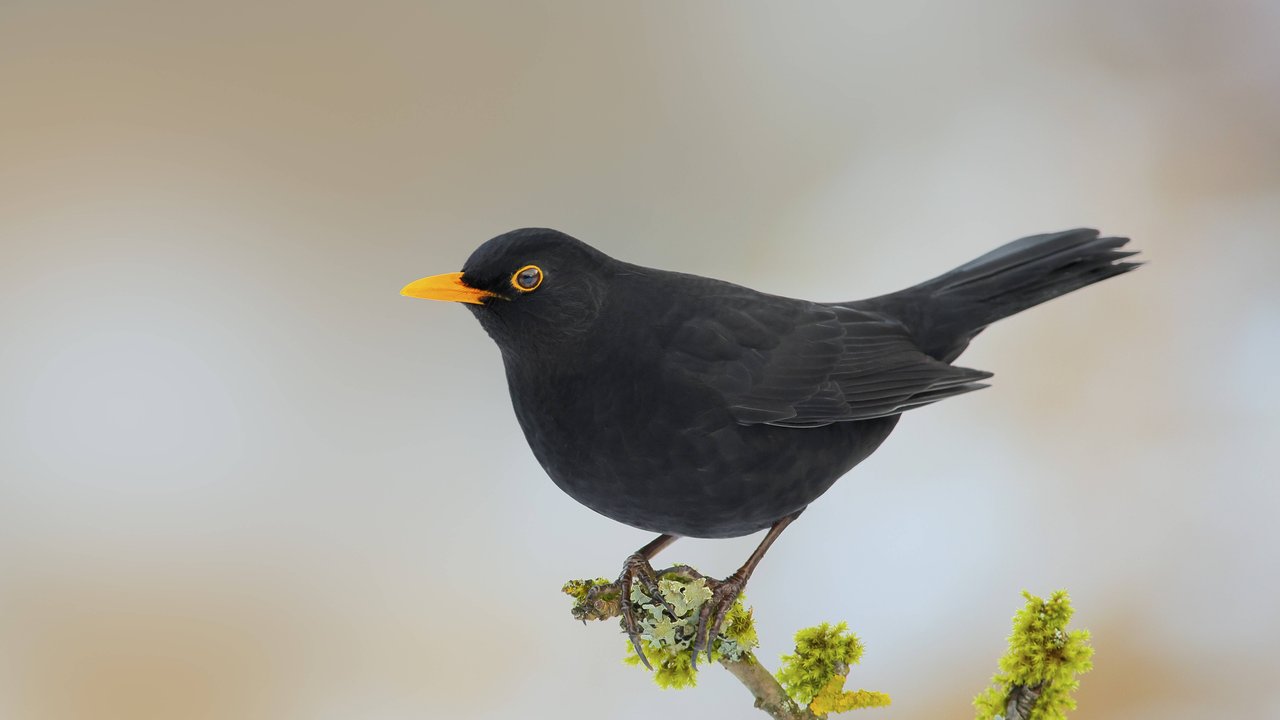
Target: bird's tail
x: 947, y: 311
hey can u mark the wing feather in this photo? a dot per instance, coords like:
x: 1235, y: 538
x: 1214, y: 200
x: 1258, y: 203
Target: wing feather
x: 797, y: 364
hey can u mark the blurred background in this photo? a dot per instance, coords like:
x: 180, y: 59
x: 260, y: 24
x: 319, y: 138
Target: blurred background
x: 241, y: 477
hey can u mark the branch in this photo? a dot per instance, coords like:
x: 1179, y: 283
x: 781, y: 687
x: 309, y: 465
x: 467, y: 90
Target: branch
x: 770, y: 697
x: 1038, y: 674
x: 810, y: 685
x: 1022, y: 701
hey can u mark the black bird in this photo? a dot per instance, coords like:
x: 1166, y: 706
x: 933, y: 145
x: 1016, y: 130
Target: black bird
x: 693, y: 407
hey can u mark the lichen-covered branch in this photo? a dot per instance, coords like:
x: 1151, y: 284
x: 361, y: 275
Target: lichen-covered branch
x: 809, y: 686
x: 1037, y: 675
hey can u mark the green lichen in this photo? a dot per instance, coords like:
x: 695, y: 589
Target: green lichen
x: 578, y: 589
x: 815, y: 675
x: 666, y: 638
x: 586, y: 607
x: 1044, y: 654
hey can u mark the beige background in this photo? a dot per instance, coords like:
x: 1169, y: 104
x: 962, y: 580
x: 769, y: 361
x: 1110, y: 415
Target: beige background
x: 240, y: 477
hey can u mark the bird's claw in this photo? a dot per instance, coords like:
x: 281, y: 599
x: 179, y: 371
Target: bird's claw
x: 637, y: 567
x: 682, y: 570
x: 713, y: 612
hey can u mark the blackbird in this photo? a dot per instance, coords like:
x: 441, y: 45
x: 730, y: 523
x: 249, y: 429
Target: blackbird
x: 693, y: 407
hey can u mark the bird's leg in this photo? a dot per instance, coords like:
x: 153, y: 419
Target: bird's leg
x: 725, y: 592
x: 637, y: 567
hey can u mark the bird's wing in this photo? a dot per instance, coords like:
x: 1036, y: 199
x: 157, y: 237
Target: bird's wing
x: 785, y: 362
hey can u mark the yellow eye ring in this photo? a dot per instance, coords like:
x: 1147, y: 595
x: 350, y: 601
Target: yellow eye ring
x: 527, y: 278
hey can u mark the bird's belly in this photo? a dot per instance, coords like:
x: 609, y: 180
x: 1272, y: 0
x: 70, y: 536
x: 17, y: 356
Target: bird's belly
x: 695, y: 475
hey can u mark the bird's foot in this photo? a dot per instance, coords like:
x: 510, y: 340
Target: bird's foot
x: 713, y: 612
x: 635, y: 568
x: 683, y: 571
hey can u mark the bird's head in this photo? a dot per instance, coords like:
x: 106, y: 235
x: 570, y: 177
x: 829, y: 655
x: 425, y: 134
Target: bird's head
x: 530, y: 288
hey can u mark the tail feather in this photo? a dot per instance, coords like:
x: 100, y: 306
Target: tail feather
x: 946, y: 312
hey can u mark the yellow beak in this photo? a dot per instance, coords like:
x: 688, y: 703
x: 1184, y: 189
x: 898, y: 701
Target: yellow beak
x: 448, y: 286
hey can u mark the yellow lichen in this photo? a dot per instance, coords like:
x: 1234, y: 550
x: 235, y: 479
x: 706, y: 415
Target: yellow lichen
x: 833, y: 698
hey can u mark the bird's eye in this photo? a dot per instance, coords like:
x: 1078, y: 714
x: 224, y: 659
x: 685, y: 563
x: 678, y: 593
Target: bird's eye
x: 527, y: 278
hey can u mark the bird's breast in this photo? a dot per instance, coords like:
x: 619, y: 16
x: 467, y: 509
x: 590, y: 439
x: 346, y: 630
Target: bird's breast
x: 655, y: 450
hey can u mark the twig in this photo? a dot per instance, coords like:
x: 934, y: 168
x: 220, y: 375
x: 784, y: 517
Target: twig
x: 1022, y: 700
x: 770, y: 697
x: 814, y: 676
x: 768, y: 692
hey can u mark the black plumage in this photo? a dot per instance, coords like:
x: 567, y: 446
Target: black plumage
x: 689, y: 406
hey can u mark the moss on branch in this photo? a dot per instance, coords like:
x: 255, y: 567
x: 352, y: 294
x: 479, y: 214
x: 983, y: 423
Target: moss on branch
x: 1040, y: 670
x: 1037, y: 675
x: 815, y: 674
